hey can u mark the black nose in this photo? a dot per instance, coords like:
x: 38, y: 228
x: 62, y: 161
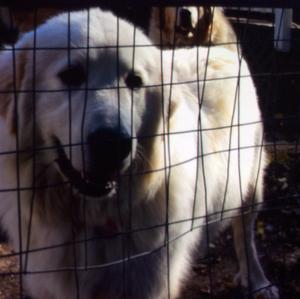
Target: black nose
x: 108, y: 148
x: 185, y: 18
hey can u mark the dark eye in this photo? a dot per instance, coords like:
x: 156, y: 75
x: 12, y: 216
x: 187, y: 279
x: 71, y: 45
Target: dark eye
x: 73, y: 75
x: 133, y: 80
x: 185, y: 19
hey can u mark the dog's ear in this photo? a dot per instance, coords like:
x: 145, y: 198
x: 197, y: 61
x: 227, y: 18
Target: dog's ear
x: 204, y: 33
x: 158, y: 18
x: 162, y: 24
x: 12, y: 70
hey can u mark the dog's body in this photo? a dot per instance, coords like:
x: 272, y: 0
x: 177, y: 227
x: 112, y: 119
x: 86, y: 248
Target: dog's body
x: 174, y: 160
x: 191, y: 26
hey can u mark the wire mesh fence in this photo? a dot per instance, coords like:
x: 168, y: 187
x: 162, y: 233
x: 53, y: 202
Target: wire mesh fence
x: 139, y: 143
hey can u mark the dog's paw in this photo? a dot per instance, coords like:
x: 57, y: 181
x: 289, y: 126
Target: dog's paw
x: 269, y: 292
x: 237, y: 279
x: 260, y: 291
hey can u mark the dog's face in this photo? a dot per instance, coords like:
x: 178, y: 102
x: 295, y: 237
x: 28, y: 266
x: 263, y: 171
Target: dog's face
x: 82, y: 93
x: 187, y: 19
x: 185, y: 25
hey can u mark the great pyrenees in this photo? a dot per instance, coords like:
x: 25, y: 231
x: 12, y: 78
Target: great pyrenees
x: 116, y: 157
x: 191, y: 26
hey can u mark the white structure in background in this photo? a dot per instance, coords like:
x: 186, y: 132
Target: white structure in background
x: 283, y: 25
x: 282, y: 34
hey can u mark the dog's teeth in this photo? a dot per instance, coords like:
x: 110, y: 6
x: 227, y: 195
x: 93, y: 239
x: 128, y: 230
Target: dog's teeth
x: 108, y: 185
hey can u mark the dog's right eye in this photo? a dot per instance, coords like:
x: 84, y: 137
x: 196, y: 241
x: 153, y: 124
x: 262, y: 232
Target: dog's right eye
x: 73, y: 75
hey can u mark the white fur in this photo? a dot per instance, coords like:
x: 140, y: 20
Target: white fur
x: 177, y: 178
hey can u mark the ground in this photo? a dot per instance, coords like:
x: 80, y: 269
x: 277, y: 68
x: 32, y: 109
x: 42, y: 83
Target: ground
x: 9, y: 287
x: 278, y: 226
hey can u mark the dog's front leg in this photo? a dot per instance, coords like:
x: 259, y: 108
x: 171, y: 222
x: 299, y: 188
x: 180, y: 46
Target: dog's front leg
x: 251, y: 275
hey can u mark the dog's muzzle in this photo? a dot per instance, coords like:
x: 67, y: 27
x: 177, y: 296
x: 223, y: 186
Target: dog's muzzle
x: 107, y: 154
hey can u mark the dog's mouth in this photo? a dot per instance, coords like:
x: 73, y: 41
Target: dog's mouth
x: 85, y: 184
x: 183, y: 30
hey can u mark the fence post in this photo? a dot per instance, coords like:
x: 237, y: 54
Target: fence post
x: 282, y: 34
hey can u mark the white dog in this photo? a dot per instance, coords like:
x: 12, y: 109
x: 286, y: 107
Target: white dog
x: 116, y: 156
x: 191, y: 26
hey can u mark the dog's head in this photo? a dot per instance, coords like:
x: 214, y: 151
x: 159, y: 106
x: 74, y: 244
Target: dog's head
x: 180, y: 26
x: 82, y: 90
x: 190, y: 26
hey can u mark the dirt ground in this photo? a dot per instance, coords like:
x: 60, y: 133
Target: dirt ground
x: 277, y: 77
x: 8, y: 282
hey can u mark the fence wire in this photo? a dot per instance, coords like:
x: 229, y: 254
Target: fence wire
x: 94, y: 204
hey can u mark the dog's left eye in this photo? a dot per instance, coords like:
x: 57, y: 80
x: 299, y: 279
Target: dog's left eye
x: 134, y: 80
x: 185, y: 18
x: 73, y: 75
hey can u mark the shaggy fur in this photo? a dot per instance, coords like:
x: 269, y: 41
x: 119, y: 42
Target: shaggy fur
x: 205, y: 26
x: 195, y: 158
